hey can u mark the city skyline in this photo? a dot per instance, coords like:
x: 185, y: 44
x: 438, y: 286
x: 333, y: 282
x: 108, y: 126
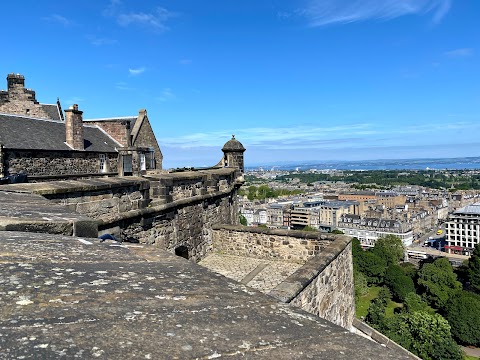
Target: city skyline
x: 313, y: 80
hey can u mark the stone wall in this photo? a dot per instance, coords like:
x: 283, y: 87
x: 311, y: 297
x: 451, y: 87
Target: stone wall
x: 322, y: 286
x: 115, y: 129
x: 331, y: 294
x: 38, y: 162
x: 103, y: 199
x: 146, y: 138
x: 268, y: 243
x: 183, y: 223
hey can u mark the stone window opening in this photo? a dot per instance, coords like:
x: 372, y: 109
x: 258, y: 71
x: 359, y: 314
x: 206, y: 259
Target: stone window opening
x: 103, y: 163
x: 182, y: 251
x: 143, y: 162
x: 27, y: 111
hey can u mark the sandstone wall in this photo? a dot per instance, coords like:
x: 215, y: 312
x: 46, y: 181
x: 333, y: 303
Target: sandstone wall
x: 37, y: 162
x: 146, y: 138
x: 268, y: 243
x: 114, y: 128
x: 331, y: 293
x: 185, y: 223
x: 104, y: 200
x: 322, y: 286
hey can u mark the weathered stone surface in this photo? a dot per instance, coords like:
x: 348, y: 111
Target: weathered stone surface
x: 38, y: 162
x: 268, y: 243
x: 322, y: 286
x: 33, y: 213
x: 67, y: 297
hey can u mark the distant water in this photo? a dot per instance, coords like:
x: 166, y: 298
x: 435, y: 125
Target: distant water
x: 404, y: 164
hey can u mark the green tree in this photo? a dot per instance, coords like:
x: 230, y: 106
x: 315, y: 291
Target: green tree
x: 373, y: 266
x: 336, y: 231
x: 376, y: 313
x: 463, y: 314
x: 398, y: 283
x: 426, y: 335
x: 309, y: 228
x: 389, y: 247
x: 473, y: 269
x: 414, y: 302
x: 438, y: 283
x: 243, y: 220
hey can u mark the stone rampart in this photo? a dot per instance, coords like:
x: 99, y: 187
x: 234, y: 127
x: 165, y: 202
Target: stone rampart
x: 322, y: 286
x: 169, y: 211
x: 268, y: 243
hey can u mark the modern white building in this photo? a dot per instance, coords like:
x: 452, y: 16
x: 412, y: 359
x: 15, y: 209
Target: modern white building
x: 463, y: 230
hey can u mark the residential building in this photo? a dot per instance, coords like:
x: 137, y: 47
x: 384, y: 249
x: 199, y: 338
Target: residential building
x: 463, y: 230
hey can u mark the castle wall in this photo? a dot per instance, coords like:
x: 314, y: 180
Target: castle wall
x: 39, y: 163
x: 322, y: 286
x: 331, y: 293
x: 273, y: 244
x: 168, y: 211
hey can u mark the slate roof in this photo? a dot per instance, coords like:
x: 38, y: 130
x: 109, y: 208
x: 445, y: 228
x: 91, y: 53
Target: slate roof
x: 18, y: 132
x: 52, y: 111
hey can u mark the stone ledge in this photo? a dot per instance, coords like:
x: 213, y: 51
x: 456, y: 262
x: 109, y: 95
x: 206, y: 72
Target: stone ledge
x: 157, y: 208
x: 71, y: 186
x: 280, y: 232
x: 298, y: 281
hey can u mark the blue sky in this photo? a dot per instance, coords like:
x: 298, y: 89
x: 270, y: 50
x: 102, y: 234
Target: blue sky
x: 293, y: 80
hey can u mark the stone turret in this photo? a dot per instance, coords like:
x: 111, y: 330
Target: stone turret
x: 233, y: 154
x: 74, y: 128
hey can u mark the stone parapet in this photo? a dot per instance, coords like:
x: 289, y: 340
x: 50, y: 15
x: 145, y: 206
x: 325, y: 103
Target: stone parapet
x: 322, y: 286
x: 260, y: 243
x: 170, y: 187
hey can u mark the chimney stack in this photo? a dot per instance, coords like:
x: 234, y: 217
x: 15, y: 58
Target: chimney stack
x: 74, y: 127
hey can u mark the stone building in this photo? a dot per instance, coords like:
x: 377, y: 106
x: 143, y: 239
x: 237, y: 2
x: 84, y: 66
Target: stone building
x: 18, y: 100
x: 368, y: 230
x: 38, y: 140
x: 133, y: 131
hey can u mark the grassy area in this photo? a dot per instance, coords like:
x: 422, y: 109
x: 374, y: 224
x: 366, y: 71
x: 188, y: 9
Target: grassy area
x: 364, y: 302
x: 391, y: 306
x: 466, y: 357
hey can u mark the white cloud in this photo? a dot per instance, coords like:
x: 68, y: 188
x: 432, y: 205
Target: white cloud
x: 326, y: 12
x: 100, y: 41
x: 167, y: 95
x: 135, y: 72
x: 316, y: 137
x: 122, y: 86
x: 58, y: 19
x: 459, y: 53
x: 155, y: 20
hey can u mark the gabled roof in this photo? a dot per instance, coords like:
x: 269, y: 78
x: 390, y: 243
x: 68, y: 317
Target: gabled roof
x: 19, y: 132
x: 52, y: 111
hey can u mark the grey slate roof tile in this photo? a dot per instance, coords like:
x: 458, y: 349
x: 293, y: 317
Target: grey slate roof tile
x: 17, y: 132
